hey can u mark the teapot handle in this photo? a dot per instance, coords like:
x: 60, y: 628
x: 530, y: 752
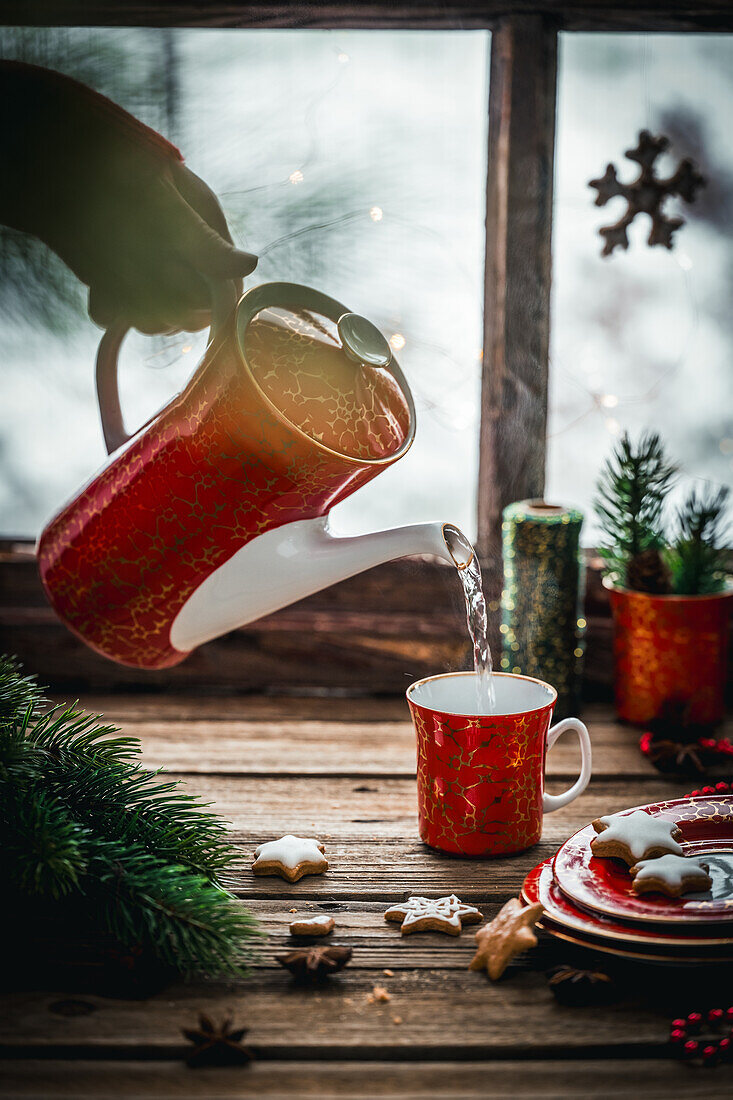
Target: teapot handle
x: 223, y: 301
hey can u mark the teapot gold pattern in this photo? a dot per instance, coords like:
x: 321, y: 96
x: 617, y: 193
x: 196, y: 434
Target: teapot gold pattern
x: 215, y: 512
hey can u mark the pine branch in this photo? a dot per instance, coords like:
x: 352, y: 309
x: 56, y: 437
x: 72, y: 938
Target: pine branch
x: 81, y: 818
x: 17, y: 692
x: 42, y: 846
x: 100, y: 779
x: 71, y: 732
x: 630, y: 500
x: 697, y: 559
x: 124, y: 802
x: 190, y: 923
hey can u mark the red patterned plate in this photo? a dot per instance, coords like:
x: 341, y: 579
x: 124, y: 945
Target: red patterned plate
x: 539, y: 886
x: 609, y: 948
x: 604, y: 885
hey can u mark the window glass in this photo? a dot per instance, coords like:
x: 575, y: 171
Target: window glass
x: 643, y: 338
x: 349, y: 161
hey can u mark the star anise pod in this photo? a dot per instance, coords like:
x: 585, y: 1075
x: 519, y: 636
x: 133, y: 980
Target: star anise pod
x: 675, y: 756
x: 675, y: 744
x: 313, y: 964
x: 217, y: 1044
x: 580, y: 987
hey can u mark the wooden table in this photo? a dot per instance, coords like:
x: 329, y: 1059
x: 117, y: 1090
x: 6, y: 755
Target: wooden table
x: 343, y: 770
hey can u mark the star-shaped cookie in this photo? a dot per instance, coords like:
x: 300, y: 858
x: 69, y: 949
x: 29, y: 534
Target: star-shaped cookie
x: 635, y: 836
x: 291, y: 857
x: 671, y: 875
x: 507, y: 935
x: 312, y: 926
x: 447, y: 914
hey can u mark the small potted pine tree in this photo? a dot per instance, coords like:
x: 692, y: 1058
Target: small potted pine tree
x: 669, y: 594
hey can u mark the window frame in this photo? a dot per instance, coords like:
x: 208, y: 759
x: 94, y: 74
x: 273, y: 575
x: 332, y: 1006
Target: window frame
x: 356, y: 636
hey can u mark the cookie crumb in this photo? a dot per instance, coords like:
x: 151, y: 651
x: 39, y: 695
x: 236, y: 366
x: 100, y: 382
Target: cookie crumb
x: 388, y: 972
x: 378, y: 993
x: 396, y: 1019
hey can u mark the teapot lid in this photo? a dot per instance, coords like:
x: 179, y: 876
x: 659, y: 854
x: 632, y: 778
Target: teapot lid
x: 328, y: 372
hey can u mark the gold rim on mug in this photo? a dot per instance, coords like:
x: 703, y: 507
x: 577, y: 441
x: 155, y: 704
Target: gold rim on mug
x: 503, y: 675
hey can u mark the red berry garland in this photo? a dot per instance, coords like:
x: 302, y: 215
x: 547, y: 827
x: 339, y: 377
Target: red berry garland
x: 719, y: 788
x: 712, y: 1049
x: 707, y: 1038
x: 675, y: 753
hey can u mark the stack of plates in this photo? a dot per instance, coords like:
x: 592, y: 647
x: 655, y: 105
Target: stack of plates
x: 589, y: 901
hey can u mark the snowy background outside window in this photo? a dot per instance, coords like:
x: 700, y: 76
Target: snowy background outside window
x: 355, y: 162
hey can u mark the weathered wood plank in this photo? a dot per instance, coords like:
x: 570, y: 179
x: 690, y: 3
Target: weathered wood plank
x: 256, y: 735
x: 370, y: 831
x: 653, y: 1079
x: 445, y: 1014
x: 368, y: 823
x: 518, y: 272
x: 371, y: 634
x: 377, y: 943
x: 149, y: 710
x: 344, y: 748
x: 256, y: 658
x: 386, y: 808
x: 584, y: 15
x: 387, y: 872
x: 398, y: 586
x: 182, y: 707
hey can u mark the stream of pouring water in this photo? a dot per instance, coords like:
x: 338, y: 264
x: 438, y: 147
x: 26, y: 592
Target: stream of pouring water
x: 469, y: 571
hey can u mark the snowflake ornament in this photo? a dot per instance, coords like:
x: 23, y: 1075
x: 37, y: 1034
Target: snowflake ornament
x: 646, y: 194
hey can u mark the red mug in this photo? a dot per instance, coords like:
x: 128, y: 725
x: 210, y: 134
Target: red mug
x: 480, y: 777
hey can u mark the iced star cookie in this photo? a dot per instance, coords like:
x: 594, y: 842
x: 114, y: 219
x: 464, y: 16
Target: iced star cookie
x: 671, y: 875
x: 312, y: 926
x: 634, y: 837
x: 290, y: 857
x: 447, y: 914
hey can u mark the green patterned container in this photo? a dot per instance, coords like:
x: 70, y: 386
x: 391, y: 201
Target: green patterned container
x: 542, y: 625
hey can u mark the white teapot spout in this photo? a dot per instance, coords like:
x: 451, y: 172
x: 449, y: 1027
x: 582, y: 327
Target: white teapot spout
x: 293, y: 561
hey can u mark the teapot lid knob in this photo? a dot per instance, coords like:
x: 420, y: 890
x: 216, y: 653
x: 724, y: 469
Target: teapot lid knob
x: 363, y: 342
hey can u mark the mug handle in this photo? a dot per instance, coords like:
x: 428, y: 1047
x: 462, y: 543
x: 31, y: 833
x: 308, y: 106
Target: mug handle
x: 552, y: 802
x: 223, y: 301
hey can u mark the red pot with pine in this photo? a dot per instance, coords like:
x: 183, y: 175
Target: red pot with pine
x: 667, y: 650
x: 669, y: 594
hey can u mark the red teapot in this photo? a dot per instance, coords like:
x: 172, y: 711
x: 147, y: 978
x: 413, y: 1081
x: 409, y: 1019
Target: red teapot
x: 215, y: 512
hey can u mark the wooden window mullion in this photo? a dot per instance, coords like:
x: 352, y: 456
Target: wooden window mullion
x: 522, y: 93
